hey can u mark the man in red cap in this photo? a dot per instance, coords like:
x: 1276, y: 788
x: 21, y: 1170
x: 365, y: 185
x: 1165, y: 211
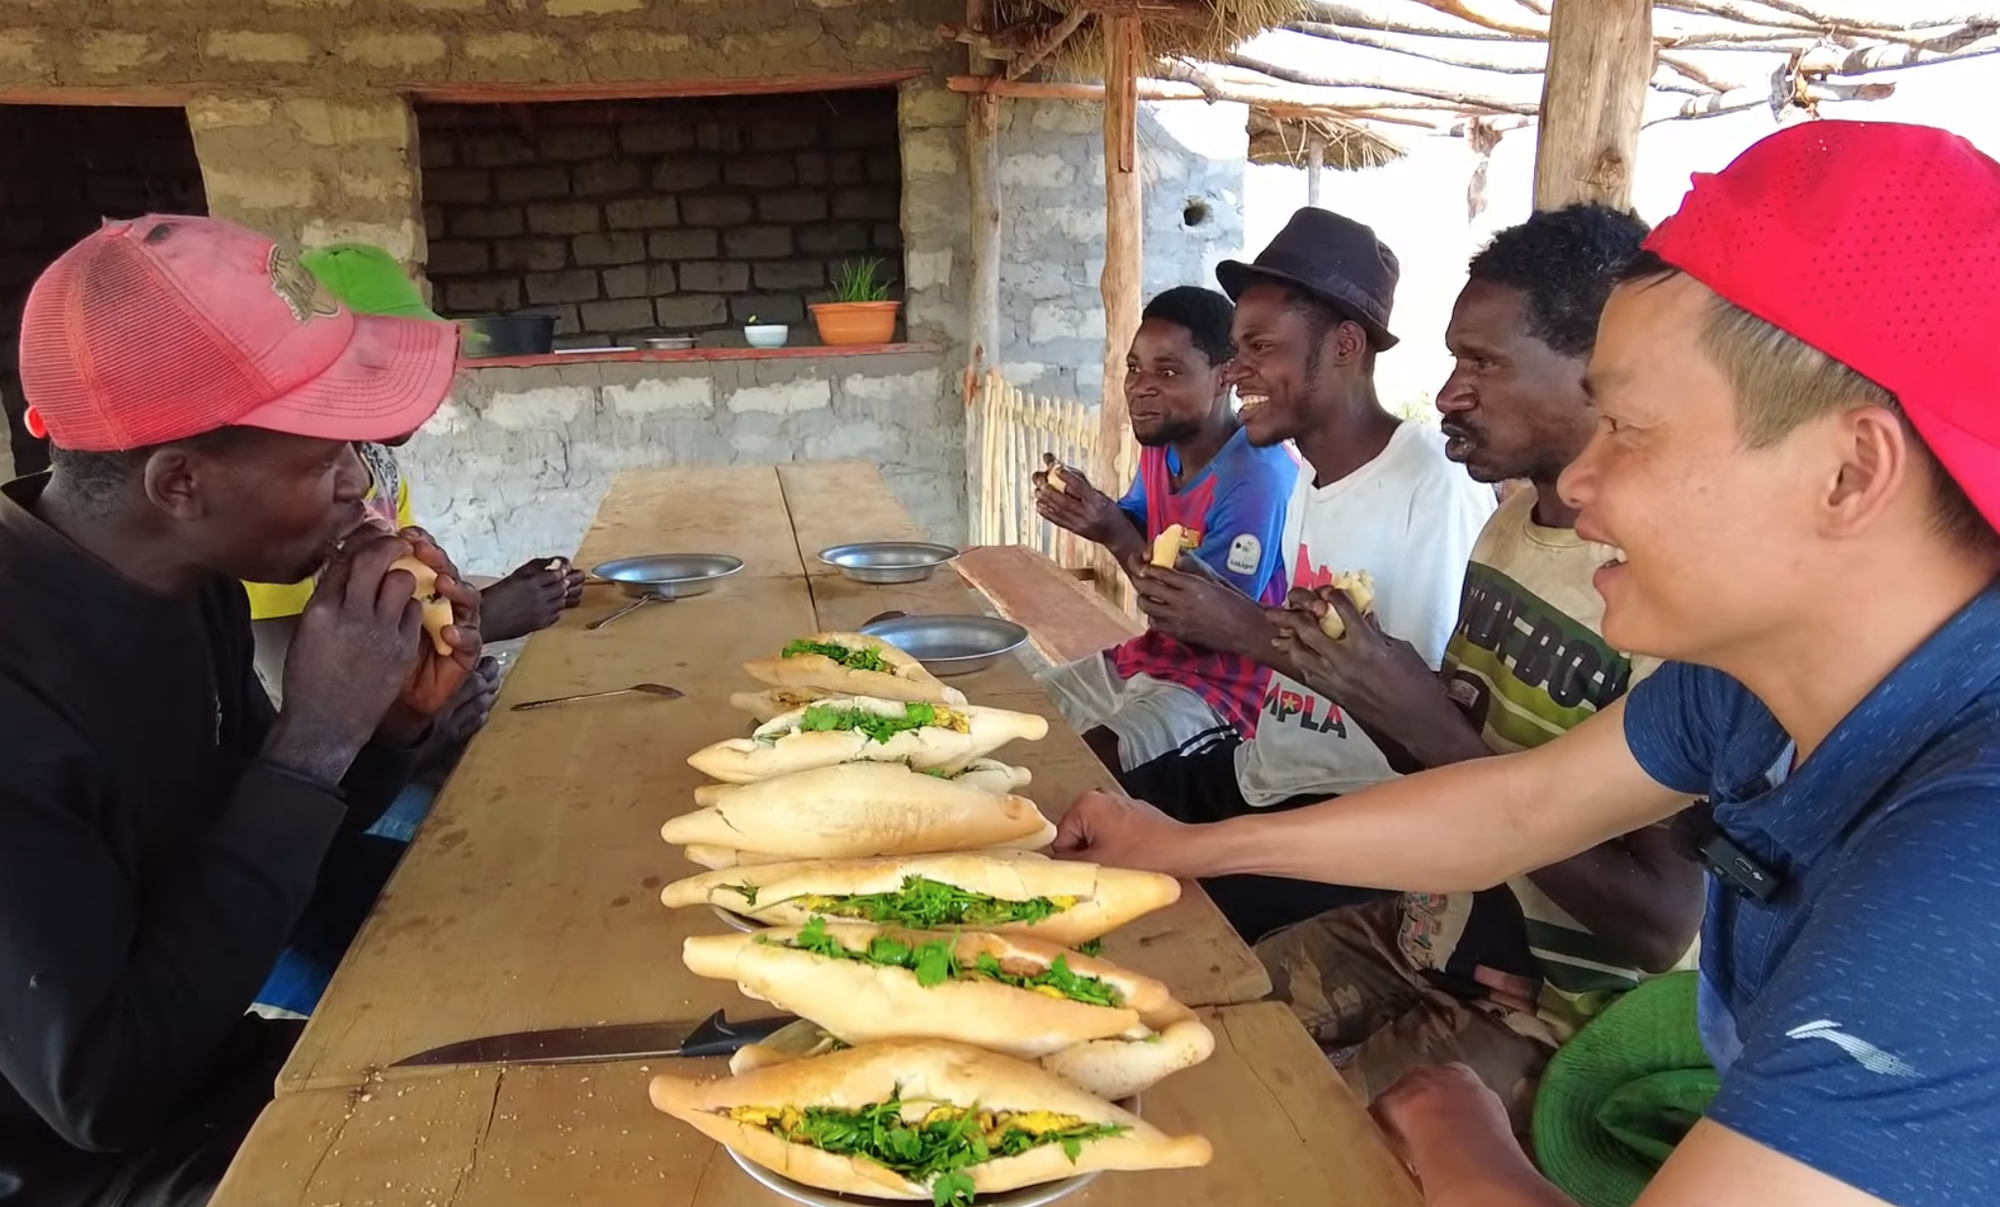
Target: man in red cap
x: 1798, y: 455
x: 165, y: 832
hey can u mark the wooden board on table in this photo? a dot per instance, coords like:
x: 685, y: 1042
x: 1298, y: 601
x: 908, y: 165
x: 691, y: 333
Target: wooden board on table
x: 530, y: 897
x: 1189, y: 945
x: 695, y: 509
x: 1285, y: 1128
x: 1065, y: 616
x: 841, y: 503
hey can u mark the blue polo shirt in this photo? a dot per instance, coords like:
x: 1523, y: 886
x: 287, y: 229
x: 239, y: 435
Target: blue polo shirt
x: 1856, y: 1017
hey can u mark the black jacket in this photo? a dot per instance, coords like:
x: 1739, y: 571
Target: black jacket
x: 151, y: 864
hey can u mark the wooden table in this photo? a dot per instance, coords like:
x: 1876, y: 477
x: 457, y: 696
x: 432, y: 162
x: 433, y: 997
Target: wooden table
x: 530, y: 900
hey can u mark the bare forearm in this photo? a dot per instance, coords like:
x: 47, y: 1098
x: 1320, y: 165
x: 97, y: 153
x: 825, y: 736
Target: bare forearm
x: 1635, y: 893
x: 1125, y: 541
x: 1458, y: 828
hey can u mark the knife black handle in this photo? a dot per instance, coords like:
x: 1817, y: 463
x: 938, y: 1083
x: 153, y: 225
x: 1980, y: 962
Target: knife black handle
x: 717, y: 1036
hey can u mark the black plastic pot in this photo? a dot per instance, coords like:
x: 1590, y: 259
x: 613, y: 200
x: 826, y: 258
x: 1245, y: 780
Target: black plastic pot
x: 508, y: 335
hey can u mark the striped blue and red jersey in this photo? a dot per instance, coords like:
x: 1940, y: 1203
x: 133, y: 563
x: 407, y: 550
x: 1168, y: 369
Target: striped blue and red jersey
x: 1237, y: 504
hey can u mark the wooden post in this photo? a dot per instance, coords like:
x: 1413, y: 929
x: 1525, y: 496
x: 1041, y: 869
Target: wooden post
x: 1120, y: 283
x: 1315, y: 166
x: 1593, y: 101
x: 982, y: 301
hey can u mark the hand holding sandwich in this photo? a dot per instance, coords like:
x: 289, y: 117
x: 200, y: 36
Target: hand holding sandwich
x: 1065, y: 498
x: 1199, y: 608
x: 1380, y: 680
x: 362, y: 660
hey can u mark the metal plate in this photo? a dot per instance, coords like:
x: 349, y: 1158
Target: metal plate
x: 799, y: 1192
x: 748, y: 926
x: 951, y: 645
x: 888, y: 561
x: 669, y: 575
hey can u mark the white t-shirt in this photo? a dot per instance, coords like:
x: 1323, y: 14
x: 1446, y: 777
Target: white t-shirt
x: 1410, y: 518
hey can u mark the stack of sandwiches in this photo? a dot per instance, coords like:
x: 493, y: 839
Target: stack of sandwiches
x: 957, y: 1034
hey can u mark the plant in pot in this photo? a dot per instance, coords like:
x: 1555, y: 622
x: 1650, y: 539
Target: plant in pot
x: 860, y: 312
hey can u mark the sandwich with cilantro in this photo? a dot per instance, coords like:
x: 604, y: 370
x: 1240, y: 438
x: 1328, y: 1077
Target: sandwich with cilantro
x: 852, y: 664
x: 848, y: 729
x: 865, y: 983
x: 990, y: 775
x: 855, y: 811
x: 942, y: 1122
x: 1056, y: 901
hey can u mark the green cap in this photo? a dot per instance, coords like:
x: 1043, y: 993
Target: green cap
x: 367, y: 280
x: 1619, y: 1096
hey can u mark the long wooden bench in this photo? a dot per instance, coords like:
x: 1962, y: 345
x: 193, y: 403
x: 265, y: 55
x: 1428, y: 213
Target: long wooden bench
x: 1065, y: 618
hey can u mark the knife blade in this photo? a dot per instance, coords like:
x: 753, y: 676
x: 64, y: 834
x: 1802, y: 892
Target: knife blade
x: 712, y: 1036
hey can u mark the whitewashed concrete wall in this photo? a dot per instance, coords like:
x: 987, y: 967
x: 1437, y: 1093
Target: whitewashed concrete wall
x: 1052, y: 226
x: 514, y: 466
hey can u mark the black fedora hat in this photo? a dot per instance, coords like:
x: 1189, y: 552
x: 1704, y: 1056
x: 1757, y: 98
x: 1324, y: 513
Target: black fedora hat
x: 1333, y: 258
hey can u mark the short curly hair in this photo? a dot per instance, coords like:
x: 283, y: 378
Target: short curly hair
x: 1566, y: 262
x: 1204, y: 313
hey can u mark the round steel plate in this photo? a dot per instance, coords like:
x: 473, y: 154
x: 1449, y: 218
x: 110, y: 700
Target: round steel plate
x: 669, y: 575
x: 888, y: 561
x: 951, y: 645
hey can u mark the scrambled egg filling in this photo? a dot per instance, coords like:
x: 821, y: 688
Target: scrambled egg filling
x: 787, y: 1117
x: 957, y: 722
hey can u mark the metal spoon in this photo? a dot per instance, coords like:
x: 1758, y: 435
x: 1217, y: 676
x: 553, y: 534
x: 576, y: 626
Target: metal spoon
x: 651, y: 689
x: 634, y: 606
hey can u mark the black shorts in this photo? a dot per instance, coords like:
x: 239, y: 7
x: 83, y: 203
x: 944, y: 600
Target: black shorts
x: 1200, y: 787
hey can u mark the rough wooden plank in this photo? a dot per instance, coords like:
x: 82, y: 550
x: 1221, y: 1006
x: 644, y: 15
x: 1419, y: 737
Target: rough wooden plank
x: 530, y: 896
x: 1065, y: 619
x: 1593, y: 102
x: 695, y: 509
x: 1286, y: 1130
x: 839, y: 503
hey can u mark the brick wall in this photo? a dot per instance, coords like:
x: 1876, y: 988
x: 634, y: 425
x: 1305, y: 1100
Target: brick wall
x: 62, y: 171
x: 641, y: 217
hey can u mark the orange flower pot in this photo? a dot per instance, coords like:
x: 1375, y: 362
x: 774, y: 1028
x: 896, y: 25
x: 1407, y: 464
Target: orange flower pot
x: 855, y: 322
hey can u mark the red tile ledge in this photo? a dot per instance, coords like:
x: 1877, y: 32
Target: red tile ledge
x: 649, y: 356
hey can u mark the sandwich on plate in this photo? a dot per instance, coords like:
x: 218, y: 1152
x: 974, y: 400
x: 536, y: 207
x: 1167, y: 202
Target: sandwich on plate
x: 852, y: 664
x: 1009, y: 993
x: 855, y: 811
x: 928, y: 1120
x: 1056, y: 901
x: 988, y: 774
x: 849, y: 729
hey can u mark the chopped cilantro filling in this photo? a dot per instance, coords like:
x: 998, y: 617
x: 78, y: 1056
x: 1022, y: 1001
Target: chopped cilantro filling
x: 933, y: 963
x: 852, y: 659
x: 932, y: 905
x: 877, y: 726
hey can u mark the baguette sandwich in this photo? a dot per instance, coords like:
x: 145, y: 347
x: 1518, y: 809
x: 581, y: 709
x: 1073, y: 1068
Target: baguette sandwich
x: 1053, y: 900
x: 436, y: 608
x: 936, y: 1121
x: 864, y: 729
x: 990, y: 775
x: 1171, y: 543
x: 1109, y: 1068
x: 852, y: 664
x: 775, y: 702
x: 865, y: 983
x: 1360, y: 587
x: 856, y: 811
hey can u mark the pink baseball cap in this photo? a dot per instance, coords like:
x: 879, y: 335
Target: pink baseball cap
x: 1879, y: 245
x: 166, y: 327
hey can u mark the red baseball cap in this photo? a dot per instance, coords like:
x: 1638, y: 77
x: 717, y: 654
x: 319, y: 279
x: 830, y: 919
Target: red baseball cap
x: 166, y: 327
x: 1879, y: 245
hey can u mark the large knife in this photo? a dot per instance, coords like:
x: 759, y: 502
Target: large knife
x: 712, y: 1036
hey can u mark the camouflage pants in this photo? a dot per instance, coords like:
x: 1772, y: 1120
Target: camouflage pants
x: 1375, y: 1015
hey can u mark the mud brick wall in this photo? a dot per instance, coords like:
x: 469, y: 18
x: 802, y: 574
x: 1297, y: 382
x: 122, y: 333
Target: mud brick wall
x: 674, y: 216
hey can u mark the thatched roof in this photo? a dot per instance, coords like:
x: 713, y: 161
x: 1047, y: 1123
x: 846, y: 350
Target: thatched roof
x: 1432, y: 64
x: 1349, y: 146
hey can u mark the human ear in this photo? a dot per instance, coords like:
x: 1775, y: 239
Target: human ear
x: 1350, y: 344
x: 171, y: 480
x: 1872, y: 461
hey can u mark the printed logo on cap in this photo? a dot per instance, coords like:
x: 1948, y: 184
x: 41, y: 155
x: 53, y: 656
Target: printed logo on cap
x: 304, y: 296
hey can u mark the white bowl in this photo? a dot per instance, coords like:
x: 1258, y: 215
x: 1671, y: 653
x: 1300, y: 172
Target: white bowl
x: 767, y: 335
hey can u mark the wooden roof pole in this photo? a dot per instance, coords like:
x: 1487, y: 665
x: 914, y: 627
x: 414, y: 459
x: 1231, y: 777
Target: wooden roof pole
x: 1315, y: 166
x: 1593, y: 101
x: 1120, y: 283
x: 982, y: 299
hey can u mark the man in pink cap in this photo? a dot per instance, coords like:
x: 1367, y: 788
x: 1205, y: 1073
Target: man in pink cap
x: 165, y: 831
x: 1798, y: 455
